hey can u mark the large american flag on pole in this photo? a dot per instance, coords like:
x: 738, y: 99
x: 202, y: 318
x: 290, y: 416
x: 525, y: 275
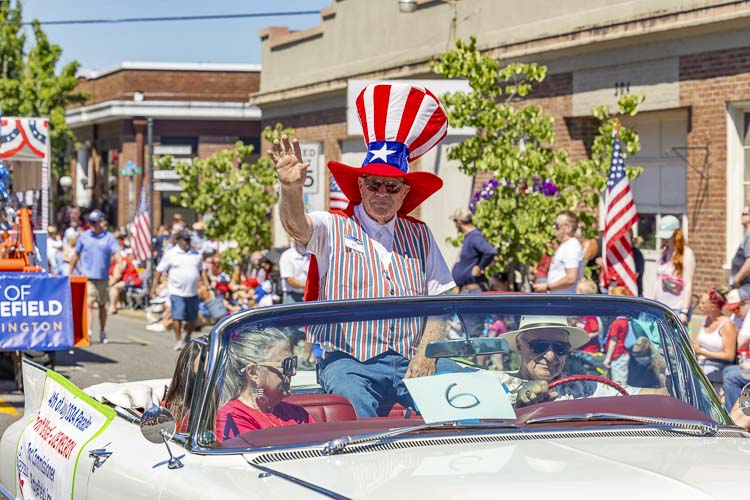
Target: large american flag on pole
x: 142, y: 228
x: 620, y: 216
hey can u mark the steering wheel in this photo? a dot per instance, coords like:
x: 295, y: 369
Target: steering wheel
x: 593, y: 378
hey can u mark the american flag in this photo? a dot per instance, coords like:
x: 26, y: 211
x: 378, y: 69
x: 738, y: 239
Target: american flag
x: 620, y: 216
x: 142, y: 228
x: 337, y: 198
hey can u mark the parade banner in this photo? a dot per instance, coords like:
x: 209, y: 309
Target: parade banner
x: 50, y: 447
x: 36, y: 312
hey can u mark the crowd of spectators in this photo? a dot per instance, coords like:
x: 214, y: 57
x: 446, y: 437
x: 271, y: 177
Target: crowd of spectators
x: 226, y: 286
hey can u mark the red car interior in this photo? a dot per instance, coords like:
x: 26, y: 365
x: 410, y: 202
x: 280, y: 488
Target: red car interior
x: 334, y: 408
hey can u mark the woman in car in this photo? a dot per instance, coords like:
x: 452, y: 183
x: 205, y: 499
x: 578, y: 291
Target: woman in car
x: 258, y: 376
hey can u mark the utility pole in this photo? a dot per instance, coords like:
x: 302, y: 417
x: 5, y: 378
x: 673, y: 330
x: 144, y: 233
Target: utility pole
x: 150, y: 139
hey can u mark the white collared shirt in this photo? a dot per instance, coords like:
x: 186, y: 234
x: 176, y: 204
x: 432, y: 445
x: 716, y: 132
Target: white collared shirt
x: 438, y: 275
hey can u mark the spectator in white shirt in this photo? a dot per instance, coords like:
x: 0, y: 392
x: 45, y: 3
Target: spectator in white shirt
x: 566, y: 269
x: 293, y: 268
x: 184, y: 266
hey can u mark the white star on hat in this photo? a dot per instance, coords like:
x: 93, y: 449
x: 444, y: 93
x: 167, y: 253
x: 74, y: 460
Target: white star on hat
x: 381, y: 154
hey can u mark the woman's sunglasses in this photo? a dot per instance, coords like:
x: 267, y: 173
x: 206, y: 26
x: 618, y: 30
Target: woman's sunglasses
x: 288, y: 366
x: 543, y: 346
x: 390, y: 187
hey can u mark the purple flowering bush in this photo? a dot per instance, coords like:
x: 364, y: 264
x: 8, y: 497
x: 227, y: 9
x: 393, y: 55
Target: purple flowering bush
x: 489, y: 189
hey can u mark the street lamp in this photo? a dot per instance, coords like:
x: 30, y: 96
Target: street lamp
x: 407, y: 6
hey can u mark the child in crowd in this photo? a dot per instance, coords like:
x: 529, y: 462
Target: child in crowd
x: 589, y: 323
x: 616, y: 355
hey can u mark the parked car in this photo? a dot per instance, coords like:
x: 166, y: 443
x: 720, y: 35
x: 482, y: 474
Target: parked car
x: 660, y: 433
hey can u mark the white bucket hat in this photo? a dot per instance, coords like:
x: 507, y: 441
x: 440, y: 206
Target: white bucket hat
x: 577, y: 336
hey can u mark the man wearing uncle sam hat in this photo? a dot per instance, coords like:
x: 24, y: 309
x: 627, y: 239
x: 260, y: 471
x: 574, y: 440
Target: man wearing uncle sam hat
x: 365, y: 250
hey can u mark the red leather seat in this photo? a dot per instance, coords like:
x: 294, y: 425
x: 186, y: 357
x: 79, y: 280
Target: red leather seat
x: 324, y: 407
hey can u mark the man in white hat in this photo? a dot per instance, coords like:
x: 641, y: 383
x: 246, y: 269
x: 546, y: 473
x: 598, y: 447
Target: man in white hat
x: 544, y: 344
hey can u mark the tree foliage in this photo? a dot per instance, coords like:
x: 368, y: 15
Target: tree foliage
x: 235, y: 195
x: 531, y: 179
x: 29, y: 83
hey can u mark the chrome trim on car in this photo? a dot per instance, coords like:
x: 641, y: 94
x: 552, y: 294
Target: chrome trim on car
x: 399, y: 443
x: 300, y: 482
x: 5, y: 493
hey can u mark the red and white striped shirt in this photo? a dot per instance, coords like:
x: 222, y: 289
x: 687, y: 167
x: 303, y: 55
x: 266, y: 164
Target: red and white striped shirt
x: 359, y: 258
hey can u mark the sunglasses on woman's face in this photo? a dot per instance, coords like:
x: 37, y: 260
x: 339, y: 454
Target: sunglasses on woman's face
x: 540, y: 346
x: 390, y: 186
x: 288, y: 366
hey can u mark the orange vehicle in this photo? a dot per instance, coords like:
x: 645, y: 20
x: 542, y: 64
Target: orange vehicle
x: 17, y: 254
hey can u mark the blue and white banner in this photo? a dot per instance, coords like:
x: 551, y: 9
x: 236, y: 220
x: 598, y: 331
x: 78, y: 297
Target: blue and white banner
x: 36, y: 312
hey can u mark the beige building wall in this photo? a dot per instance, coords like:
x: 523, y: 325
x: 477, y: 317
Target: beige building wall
x: 690, y: 57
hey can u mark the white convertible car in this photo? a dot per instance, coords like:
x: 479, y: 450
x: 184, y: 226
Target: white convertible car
x: 531, y: 410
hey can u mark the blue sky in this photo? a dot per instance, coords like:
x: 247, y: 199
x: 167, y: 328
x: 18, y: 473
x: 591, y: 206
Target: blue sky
x: 101, y: 46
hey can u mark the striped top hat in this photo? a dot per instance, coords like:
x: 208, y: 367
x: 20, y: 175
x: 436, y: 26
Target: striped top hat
x: 400, y: 122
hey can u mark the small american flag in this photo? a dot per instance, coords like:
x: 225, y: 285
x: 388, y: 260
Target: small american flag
x: 142, y: 228
x: 620, y: 216
x: 337, y: 198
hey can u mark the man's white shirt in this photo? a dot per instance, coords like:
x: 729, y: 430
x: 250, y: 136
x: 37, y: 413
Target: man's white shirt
x: 438, y: 275
x: 567, y: 256
x: 293, y: 264
x: 183, y: 269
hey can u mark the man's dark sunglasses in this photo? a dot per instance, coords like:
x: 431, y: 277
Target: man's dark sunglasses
x: 390, y: 187
x: 288, y: 366
x: 542, y: 346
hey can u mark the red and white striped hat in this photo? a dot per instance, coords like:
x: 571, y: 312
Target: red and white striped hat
x: 400, y: 122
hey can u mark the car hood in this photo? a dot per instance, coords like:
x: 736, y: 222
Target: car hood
x: 580, y: 467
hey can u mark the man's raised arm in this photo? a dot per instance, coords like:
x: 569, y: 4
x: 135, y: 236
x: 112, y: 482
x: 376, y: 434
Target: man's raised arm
x: 292, y: 173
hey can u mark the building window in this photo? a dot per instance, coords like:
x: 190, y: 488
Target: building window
x: 746, y: 153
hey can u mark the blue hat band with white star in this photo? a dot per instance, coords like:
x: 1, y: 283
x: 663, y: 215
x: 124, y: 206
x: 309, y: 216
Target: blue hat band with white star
x: 392, y: 153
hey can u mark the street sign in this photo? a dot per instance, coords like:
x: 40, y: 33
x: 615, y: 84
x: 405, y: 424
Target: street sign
x: 166, y: 175
x: 311, y: 152
x: 167, y: 186
x: 173, y: 149
x: 130, y: 169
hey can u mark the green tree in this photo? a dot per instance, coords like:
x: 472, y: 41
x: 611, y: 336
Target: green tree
x: 29, y: 84
x: 531, y: 179
x: 235, y: 194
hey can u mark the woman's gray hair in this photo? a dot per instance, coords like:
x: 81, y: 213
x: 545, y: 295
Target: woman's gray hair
x: 248, y: 348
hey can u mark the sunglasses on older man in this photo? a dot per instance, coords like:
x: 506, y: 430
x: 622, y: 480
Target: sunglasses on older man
x: 391, y: 187
x: 540, y: 346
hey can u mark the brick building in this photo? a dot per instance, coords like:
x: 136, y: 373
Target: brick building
x: 690, y: 57
x: 196, y: 110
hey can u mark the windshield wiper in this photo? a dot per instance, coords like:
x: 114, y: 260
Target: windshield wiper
x: 338, y: 445
x: 692, y: 427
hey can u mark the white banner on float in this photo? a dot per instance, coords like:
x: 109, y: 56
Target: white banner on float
x: 50, y: 446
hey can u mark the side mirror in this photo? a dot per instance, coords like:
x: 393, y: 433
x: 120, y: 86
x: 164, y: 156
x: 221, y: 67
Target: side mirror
x: 466, y: 348
x: 158, y: 425
x: 745, y: 400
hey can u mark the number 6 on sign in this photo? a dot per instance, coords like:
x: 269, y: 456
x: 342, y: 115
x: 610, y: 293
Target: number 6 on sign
x: 460, y: 396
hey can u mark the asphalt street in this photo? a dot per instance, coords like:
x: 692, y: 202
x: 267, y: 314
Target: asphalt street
x: 133, y: 353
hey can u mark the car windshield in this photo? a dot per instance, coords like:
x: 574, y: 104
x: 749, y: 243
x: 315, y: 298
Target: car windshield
x: 556, y: 356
